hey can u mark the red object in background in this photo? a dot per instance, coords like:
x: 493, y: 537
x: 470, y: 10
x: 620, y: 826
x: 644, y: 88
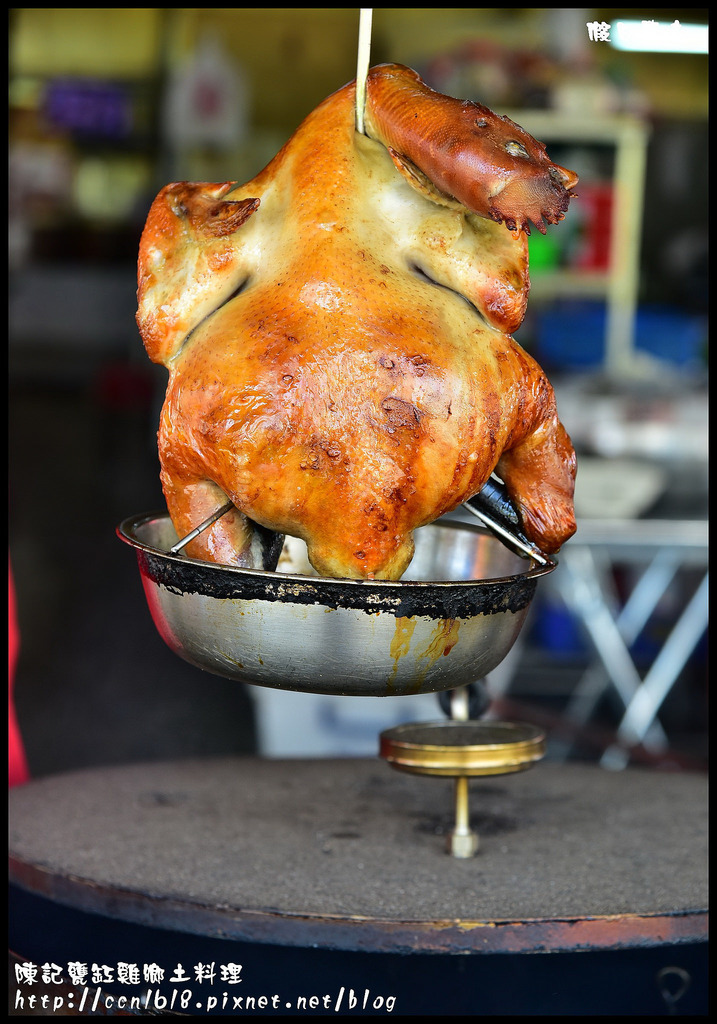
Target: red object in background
x: 593, y: 250
x: 18, y: 771
x: 124, y: 386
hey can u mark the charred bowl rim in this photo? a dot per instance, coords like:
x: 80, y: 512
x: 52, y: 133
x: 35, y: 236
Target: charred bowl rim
x: 444, y: 599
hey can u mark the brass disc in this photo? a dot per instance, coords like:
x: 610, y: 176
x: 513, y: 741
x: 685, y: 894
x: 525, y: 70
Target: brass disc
x: 456, y: 748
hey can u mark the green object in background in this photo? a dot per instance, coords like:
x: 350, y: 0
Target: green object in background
x: 544, y: 252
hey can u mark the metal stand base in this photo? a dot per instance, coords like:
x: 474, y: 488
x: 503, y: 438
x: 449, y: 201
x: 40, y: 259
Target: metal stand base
x: 461, y: 750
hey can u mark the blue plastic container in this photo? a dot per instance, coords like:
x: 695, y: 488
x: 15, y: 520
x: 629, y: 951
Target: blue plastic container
x: 571, y: 335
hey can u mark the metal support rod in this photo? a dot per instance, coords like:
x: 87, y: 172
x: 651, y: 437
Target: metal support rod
x: 462, y: 841
x: 176, y: 548
x: 460, y: 704
x: 507, y: 537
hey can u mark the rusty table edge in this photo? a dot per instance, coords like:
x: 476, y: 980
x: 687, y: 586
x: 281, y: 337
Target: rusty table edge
x: 368, y: 934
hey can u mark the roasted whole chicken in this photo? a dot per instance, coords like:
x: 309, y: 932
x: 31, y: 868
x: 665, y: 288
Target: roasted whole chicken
x: 338, y: 333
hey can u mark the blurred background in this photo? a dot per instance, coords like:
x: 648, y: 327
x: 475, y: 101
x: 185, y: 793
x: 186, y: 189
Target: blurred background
x: 108, y: 105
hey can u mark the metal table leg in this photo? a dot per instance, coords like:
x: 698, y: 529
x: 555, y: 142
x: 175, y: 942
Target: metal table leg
x: 612, y: 631
x: 645, y: 705
x: 580, y: 587
x: 629, y: 620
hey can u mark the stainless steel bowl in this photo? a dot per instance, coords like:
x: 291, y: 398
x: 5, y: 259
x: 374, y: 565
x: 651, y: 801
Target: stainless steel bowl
x: 451, y: 619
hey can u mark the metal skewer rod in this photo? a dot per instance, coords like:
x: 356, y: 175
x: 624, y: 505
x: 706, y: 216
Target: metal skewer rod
x: 364, y: 54
x: 176, y: 548
x: 510, y: 538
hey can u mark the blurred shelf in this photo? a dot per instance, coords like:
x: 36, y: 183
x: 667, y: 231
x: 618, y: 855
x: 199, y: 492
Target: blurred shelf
x: 620, y: 284
x: 556, y: 126
x: 569, y: 284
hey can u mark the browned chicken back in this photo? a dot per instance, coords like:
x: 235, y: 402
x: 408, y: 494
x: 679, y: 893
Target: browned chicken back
x: 338, y: 333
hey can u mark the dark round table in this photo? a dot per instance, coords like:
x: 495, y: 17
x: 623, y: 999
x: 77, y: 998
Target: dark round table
x: 588, y: 894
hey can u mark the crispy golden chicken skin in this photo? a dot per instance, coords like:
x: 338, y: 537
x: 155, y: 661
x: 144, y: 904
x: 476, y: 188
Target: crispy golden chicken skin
x: 338, y: 333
